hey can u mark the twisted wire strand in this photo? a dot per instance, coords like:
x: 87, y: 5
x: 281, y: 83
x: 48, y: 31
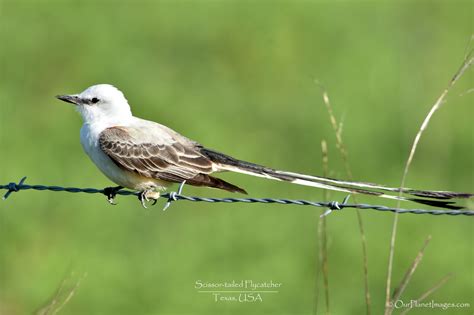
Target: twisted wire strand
x: 173, y: 196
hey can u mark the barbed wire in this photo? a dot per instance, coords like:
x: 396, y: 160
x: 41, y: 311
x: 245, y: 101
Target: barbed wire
x: 176, y: 196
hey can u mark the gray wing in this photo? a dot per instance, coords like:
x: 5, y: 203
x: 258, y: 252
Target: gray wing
x: 156, y: 151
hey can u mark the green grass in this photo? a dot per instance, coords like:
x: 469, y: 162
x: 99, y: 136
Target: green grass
x: 237, y: 77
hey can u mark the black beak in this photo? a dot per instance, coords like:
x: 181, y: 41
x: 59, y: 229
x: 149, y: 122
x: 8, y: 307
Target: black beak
x: 73, y: 99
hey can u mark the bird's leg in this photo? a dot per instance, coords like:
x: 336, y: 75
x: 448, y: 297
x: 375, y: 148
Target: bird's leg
x: 111, y: 192
x: 147, y: 195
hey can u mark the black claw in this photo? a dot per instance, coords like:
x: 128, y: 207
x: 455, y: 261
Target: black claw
x: 111, y: 193
x: 142, y: 198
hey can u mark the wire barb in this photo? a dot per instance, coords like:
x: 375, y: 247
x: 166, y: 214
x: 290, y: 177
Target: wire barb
x: 13, y: 187
x: 173, y: 196
x: 334, y: 205
x: 176, y: 196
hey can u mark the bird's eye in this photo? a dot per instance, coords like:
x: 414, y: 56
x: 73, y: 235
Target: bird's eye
x: 94, y: 100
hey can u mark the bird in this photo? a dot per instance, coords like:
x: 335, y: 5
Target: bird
x: 148, y: 157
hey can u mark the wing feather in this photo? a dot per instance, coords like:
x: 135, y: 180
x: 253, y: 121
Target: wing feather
x: 173, y: 160
x: 155, y: 151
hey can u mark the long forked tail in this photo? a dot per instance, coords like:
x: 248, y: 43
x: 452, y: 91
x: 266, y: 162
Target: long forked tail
x: 428, y: 197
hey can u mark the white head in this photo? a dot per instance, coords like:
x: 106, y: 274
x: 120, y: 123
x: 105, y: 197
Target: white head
x: 100, y: 103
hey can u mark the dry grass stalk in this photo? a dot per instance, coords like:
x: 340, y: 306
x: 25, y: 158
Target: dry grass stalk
x: 62, y: 296
x: 468, y: 61
x: 322, y: 232
x: 406, y: 279
x: 342, y: 149
x: 438, y: 285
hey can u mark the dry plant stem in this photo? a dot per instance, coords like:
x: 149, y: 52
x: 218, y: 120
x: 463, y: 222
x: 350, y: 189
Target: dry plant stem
x: 70, y: 294
x: 61, y: 297
x: 323, y: 249
x: 319, y: 265
x: 468, y: 61
x: 388, y: 310
x: 438, y: 285
x: 406, y: 279
x: 342, y: 149
x: 325, y: 265
x: 466, y: 64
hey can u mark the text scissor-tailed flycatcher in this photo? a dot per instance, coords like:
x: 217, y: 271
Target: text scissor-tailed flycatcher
x: 145, y: 156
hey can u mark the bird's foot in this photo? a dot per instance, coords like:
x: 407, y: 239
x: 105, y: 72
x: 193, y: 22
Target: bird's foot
x: 147, y: 195
x: 110, y: 193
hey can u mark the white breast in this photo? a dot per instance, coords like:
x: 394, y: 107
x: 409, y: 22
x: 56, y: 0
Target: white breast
x: 90, y: 143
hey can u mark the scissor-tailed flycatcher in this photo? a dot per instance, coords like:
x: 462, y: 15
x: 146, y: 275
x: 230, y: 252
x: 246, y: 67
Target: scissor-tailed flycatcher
x: 145, y: 156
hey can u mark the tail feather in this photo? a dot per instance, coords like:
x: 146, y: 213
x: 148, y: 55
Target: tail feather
x: 210, y: 181
x: 228, y: 163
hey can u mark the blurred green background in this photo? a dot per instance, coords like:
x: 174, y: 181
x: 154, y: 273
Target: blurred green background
x: 237, y: 77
